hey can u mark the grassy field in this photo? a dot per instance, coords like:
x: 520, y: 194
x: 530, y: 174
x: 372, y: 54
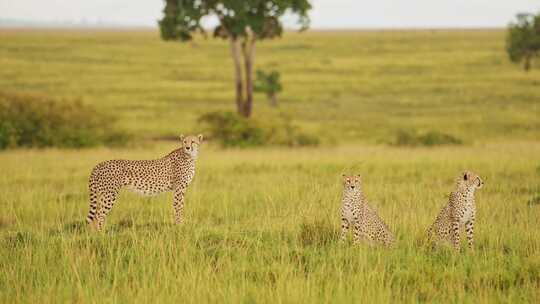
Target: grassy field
x: 261, y: 223
x: 348, y: 86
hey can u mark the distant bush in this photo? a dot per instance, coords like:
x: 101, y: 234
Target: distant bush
x: 429, y: 139
x: 39, y: 121
x: 232, y: 130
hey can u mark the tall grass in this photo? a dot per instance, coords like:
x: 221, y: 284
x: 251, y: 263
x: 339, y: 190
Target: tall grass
x: 261, y: 227
x: 261, y: 224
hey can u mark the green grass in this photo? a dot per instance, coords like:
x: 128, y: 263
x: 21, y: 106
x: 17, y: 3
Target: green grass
x: 371, y: 83
x: 260, y: 227
x: 261, y: 224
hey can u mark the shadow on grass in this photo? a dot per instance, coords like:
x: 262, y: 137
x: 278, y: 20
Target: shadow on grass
x: 317, y: 233
x: 78, y: 227
x: 19, y: 239
x: 75, y: 227
x: 129, y: 224
x: 213, y: 240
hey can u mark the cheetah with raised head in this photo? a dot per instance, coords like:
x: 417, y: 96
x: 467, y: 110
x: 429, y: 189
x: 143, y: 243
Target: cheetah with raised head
x: 355, y: 212
x: 172, y: 172
x: 460, y: 211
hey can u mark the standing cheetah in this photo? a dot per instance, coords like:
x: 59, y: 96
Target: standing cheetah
x: 367, y: 225
x: 460, y: 211
x: 173, y: 172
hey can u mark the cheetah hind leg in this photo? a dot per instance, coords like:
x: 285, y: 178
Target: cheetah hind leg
x: 429, y: 239
x: 365, y: 239
x: 469, y: 228
x: 94, y: 223
x: 362, y: 237
x: 106, y: 203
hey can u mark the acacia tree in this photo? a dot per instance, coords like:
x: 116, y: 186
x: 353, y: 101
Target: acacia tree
x: 523, y: 40
x: 242, y: 23
x: 269, y: 84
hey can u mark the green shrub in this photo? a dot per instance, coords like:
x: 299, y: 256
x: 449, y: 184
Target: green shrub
x: 269, y: 84
x: 40, y: 121
x: 232, y: 130
x: 429, y: 139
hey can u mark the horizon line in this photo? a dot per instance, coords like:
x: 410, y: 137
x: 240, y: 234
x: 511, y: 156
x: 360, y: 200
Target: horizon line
x: 104, y: 27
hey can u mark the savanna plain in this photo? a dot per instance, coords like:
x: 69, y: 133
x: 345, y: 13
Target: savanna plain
x: 261, y: 224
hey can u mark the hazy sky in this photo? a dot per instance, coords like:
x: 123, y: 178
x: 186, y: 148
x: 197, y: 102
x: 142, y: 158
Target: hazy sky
x: 325, y: 13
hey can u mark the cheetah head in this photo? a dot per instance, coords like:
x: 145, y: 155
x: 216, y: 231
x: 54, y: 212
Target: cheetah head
x: 351, y: 183
x: 471, y: 179
x: 190, y: 144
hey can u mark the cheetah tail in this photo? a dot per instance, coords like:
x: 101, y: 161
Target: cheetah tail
x: 93, y: 200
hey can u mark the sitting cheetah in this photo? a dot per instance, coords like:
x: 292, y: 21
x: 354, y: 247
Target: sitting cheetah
x: 173, y: 172
x: 460, y: 211
x: 367, y: 225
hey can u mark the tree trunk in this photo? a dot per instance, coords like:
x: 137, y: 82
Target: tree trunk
x: 527, y: 64
x: 235, y: 51
x: 248, y: 48
x: 273, y: 99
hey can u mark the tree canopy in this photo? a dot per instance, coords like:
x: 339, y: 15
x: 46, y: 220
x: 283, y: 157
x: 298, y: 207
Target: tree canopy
x: 523, y: 40
x: 182, y: 18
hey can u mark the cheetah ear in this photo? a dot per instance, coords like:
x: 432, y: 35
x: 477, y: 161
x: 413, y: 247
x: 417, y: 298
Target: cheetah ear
x: 343, y: 176
x: 181, y: 137
x: 359, y: 177
x: 200, y: 137
x: 464, y: 175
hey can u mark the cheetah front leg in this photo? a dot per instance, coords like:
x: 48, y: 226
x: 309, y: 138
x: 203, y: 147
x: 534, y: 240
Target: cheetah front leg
x: 357, y: 233
x: 178, y: 205
x: 455, y: 234
x: 469, y: 228
x: 344, y: 229
x: 429, y: 235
